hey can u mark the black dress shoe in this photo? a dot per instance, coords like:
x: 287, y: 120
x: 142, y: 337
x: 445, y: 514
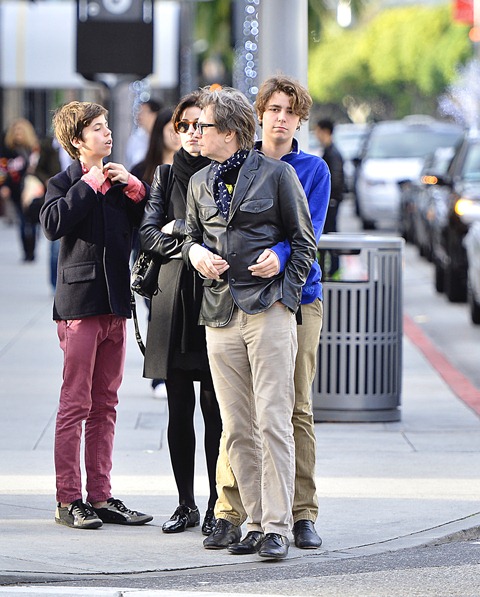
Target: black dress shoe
x: 306, y: 537
x: 251, y: 544
x: 182, y: 518
x: 208, y: 522
x: 224, y: 533
x: 274, y: 546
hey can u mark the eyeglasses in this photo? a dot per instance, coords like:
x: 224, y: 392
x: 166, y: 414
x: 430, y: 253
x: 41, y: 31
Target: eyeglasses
x: 201, y: 126
x: 183, y: 125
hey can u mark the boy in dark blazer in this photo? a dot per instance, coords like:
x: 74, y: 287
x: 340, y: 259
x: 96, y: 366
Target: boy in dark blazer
x: 92, y: 208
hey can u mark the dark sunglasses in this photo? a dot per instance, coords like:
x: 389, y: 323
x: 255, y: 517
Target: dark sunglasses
x: 183, y: 125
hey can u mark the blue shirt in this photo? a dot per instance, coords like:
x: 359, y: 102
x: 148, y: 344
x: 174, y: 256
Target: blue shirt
x: 314, y: 175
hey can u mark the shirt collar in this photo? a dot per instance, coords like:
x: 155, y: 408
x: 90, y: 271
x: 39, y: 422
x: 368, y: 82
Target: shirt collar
x: 295, y: 149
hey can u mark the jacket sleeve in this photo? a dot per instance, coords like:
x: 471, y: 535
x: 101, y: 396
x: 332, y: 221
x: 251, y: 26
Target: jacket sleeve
x: 66, y: 205
x: 318, y: 198
x: 193, y: 227
x: 152, y: 239
x: 300, y: 234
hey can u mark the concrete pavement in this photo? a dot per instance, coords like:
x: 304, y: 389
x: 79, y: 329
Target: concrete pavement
x: 382, y: 486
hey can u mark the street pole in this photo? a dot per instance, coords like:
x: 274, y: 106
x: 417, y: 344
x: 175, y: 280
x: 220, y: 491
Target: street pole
x: 283, y: 44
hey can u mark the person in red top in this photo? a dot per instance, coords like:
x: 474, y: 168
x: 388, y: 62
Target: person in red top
x: 92, y: 208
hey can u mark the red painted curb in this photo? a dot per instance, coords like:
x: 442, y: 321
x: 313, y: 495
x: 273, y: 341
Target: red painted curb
x: 458, y: 383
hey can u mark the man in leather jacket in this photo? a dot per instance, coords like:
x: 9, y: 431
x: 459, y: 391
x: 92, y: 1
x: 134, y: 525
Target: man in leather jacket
x: 282, y: 105
x: 236, y: 207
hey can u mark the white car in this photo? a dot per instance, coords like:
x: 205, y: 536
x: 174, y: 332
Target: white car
x: 395, y: 152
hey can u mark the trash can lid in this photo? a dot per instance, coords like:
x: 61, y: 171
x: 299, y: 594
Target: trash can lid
x: 340, y: 240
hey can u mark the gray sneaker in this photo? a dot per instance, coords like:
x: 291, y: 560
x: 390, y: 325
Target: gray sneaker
x: 115, y: 512
x: 78, y: 516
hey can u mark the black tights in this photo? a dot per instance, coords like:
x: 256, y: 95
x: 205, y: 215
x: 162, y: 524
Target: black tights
x: 181, y: 433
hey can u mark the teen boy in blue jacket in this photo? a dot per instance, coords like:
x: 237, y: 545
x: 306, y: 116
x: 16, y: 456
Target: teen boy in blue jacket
x: 92, y: 208
x: 282, y: 105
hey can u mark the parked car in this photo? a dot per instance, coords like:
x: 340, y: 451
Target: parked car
x: 457, y: 206
x: 395, y: 152
x: 349, y: 139
x: 472, y: 246
x: 417, y: 200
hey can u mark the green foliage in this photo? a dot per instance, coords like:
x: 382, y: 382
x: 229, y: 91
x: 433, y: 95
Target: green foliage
x: 319, y: 12
x: 213, y: 25
x: 401, y: 60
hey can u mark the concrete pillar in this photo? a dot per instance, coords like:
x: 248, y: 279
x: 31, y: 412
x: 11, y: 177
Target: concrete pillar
x: 283, y: 44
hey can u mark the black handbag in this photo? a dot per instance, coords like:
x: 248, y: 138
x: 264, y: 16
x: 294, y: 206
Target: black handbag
x: 145, y: 271
x: 143, y: 281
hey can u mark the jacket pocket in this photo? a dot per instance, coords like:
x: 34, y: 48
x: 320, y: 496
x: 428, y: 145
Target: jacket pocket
x: 256, y: 206
x: 82, y: 272
x: 207, y: 213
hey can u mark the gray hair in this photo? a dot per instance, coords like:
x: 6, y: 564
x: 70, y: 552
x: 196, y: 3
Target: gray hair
x: 232, y: 112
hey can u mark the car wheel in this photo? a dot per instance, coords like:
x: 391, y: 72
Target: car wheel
x: 439, y: 278
x: 474, y: 307
x: 455, y: 287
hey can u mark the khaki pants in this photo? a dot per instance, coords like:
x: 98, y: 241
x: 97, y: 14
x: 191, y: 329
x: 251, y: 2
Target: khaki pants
x: 305, y: 505
x: 252, y: 361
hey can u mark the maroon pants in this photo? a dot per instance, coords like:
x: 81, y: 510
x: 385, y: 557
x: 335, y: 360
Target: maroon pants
x: 94, y: 356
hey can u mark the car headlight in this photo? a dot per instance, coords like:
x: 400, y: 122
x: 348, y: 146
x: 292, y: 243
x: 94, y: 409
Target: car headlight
x: 467, y: 210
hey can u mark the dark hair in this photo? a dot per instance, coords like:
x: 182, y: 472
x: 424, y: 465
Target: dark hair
x: 232, y: 112
x: 156, y: 146
x: 70, y: 120
x: 326, y: 124
x: 301, y: 101
x: 187, y: 101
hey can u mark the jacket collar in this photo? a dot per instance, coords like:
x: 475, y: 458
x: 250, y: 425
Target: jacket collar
x: 247, y: 173
x: 295, y: 149
x: 245, y: 177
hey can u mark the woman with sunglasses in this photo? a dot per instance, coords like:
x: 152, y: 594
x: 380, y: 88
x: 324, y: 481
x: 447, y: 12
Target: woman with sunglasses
x: 175, y: 348
x: 163, y: 144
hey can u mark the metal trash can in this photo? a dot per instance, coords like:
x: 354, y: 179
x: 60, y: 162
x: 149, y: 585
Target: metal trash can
x: 359, y: 367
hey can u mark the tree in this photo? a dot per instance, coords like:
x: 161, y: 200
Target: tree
x: 398, y: 63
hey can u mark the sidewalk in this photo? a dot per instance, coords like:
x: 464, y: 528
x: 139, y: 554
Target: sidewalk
x: 382, y: 486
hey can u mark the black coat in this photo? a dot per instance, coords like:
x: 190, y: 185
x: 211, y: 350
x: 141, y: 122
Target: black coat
x: 334, y: 162
x: 174, y: 338
x: 93, y: 275
x: 268, y: 206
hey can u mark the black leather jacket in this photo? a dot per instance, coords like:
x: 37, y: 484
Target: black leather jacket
x: 268, y: 206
